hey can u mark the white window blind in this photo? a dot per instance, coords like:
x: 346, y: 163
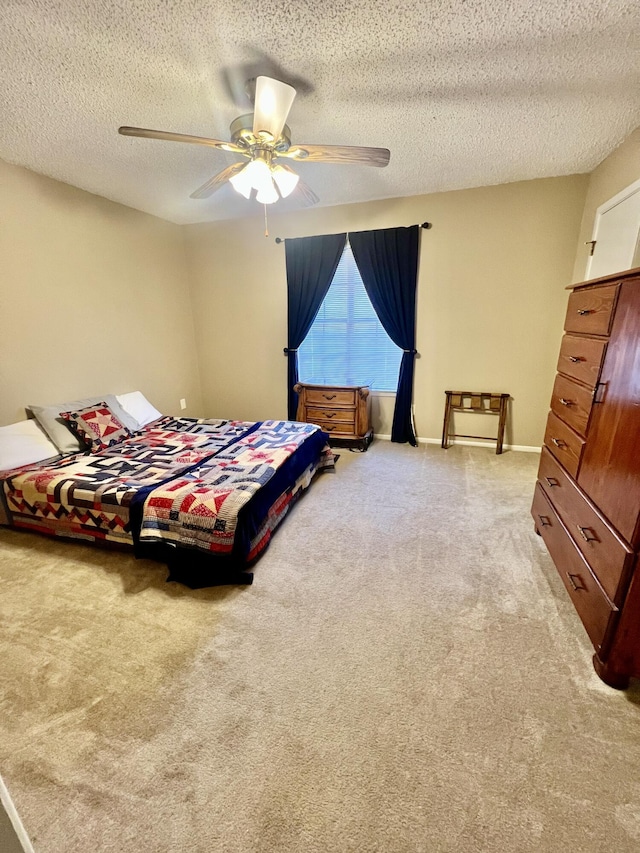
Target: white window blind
x: 347, y: 344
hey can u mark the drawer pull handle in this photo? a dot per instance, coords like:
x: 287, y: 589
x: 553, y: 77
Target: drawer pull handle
x: 329, y: 414
x: 583, y: 311
x: 566, y: 402
x: 584, y: 532
x: 552, y: 481
x: 330, y: 428
x: 544, y: 521
x: 576, y: 586
x: 329, y: 396
x: 575, y: 358
x: 558, y: 442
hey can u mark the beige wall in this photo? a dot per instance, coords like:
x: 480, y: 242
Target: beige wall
x: 94, y: 299
x: 491, y: 299
x: 620, y: 169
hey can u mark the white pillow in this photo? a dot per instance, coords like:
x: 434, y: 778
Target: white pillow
x: 140, y: 409
x: 23, y: 443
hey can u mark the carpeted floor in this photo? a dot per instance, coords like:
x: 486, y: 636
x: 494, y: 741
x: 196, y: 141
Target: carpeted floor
x: 405, y: 674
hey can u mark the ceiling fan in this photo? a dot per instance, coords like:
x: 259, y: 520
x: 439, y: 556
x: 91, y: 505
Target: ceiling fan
x: 263, y: 137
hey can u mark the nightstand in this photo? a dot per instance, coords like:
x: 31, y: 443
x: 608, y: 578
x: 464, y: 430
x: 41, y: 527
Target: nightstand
x: 343, y: 411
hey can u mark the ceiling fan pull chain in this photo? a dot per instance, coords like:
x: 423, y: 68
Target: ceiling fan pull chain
x: 266, y: 224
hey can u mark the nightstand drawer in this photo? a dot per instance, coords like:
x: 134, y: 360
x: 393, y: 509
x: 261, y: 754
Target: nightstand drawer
x: 330, y: 397
x: 592, y: 605
x: 336, y: 429
x: 315, y: 415
x: 606, y: 554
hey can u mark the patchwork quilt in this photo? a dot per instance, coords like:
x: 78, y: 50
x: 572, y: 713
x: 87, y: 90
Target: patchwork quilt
x: 214, y: 487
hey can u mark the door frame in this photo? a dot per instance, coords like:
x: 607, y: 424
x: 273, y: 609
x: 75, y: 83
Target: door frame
x: 632, y: 189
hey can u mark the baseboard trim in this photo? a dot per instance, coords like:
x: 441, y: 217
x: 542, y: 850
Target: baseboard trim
x: 523, y: 448
x: 7, y: 803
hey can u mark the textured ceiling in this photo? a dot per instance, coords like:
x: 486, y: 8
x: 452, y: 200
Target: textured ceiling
x: 463, y: 92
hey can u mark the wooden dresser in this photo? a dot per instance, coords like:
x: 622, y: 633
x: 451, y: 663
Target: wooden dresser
x: 341, y: 410
x: 587, y: 498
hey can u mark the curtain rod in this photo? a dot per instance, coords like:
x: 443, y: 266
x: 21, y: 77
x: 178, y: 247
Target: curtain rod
x: 426, y: 225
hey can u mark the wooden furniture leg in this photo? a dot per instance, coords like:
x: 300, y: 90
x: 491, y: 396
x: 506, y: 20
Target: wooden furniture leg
x: 447, y: 418
x: 501, y: 423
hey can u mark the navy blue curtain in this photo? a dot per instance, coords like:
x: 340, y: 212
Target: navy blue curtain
x: 388, y: 263
x: 311, y: 265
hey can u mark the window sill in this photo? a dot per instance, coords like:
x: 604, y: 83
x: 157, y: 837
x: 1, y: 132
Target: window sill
x: 383, y: 393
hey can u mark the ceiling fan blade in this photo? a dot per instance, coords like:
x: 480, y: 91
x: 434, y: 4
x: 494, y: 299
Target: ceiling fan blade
x: 305, y: 194
x: 217, y: 181
x: 302, y: 192
x: 181, y: 137
x: 338, y: 154
x: 272, y: 104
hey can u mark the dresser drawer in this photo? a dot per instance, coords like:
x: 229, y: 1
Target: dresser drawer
x: 607, y: 555
x: 337, y: 429
x: 314, y: 415
x: 592, y: 605
x: 581, y: 358
x: 572, y: 403
x: 590, y: 310
x: 564, y: 443
x: 330, y: 396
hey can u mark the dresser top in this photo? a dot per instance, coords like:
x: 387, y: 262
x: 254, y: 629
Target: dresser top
x: 606, y: 279
x: 332, y: 387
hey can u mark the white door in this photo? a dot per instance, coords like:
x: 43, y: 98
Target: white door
x: 616, y: 233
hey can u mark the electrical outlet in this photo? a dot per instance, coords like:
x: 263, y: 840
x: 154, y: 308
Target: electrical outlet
x: 183, y: 403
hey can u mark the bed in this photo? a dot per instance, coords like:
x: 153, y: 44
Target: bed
x: 204, y: 496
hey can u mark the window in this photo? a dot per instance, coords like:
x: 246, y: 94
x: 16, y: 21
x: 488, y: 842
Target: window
x: 347, y: 344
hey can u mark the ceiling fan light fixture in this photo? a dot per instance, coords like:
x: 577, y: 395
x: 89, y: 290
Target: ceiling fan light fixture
x: 285, y: 179
x: 241, y: 183
x: 272, y: 105
x: 256, y: 175
x: 267, y: 194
